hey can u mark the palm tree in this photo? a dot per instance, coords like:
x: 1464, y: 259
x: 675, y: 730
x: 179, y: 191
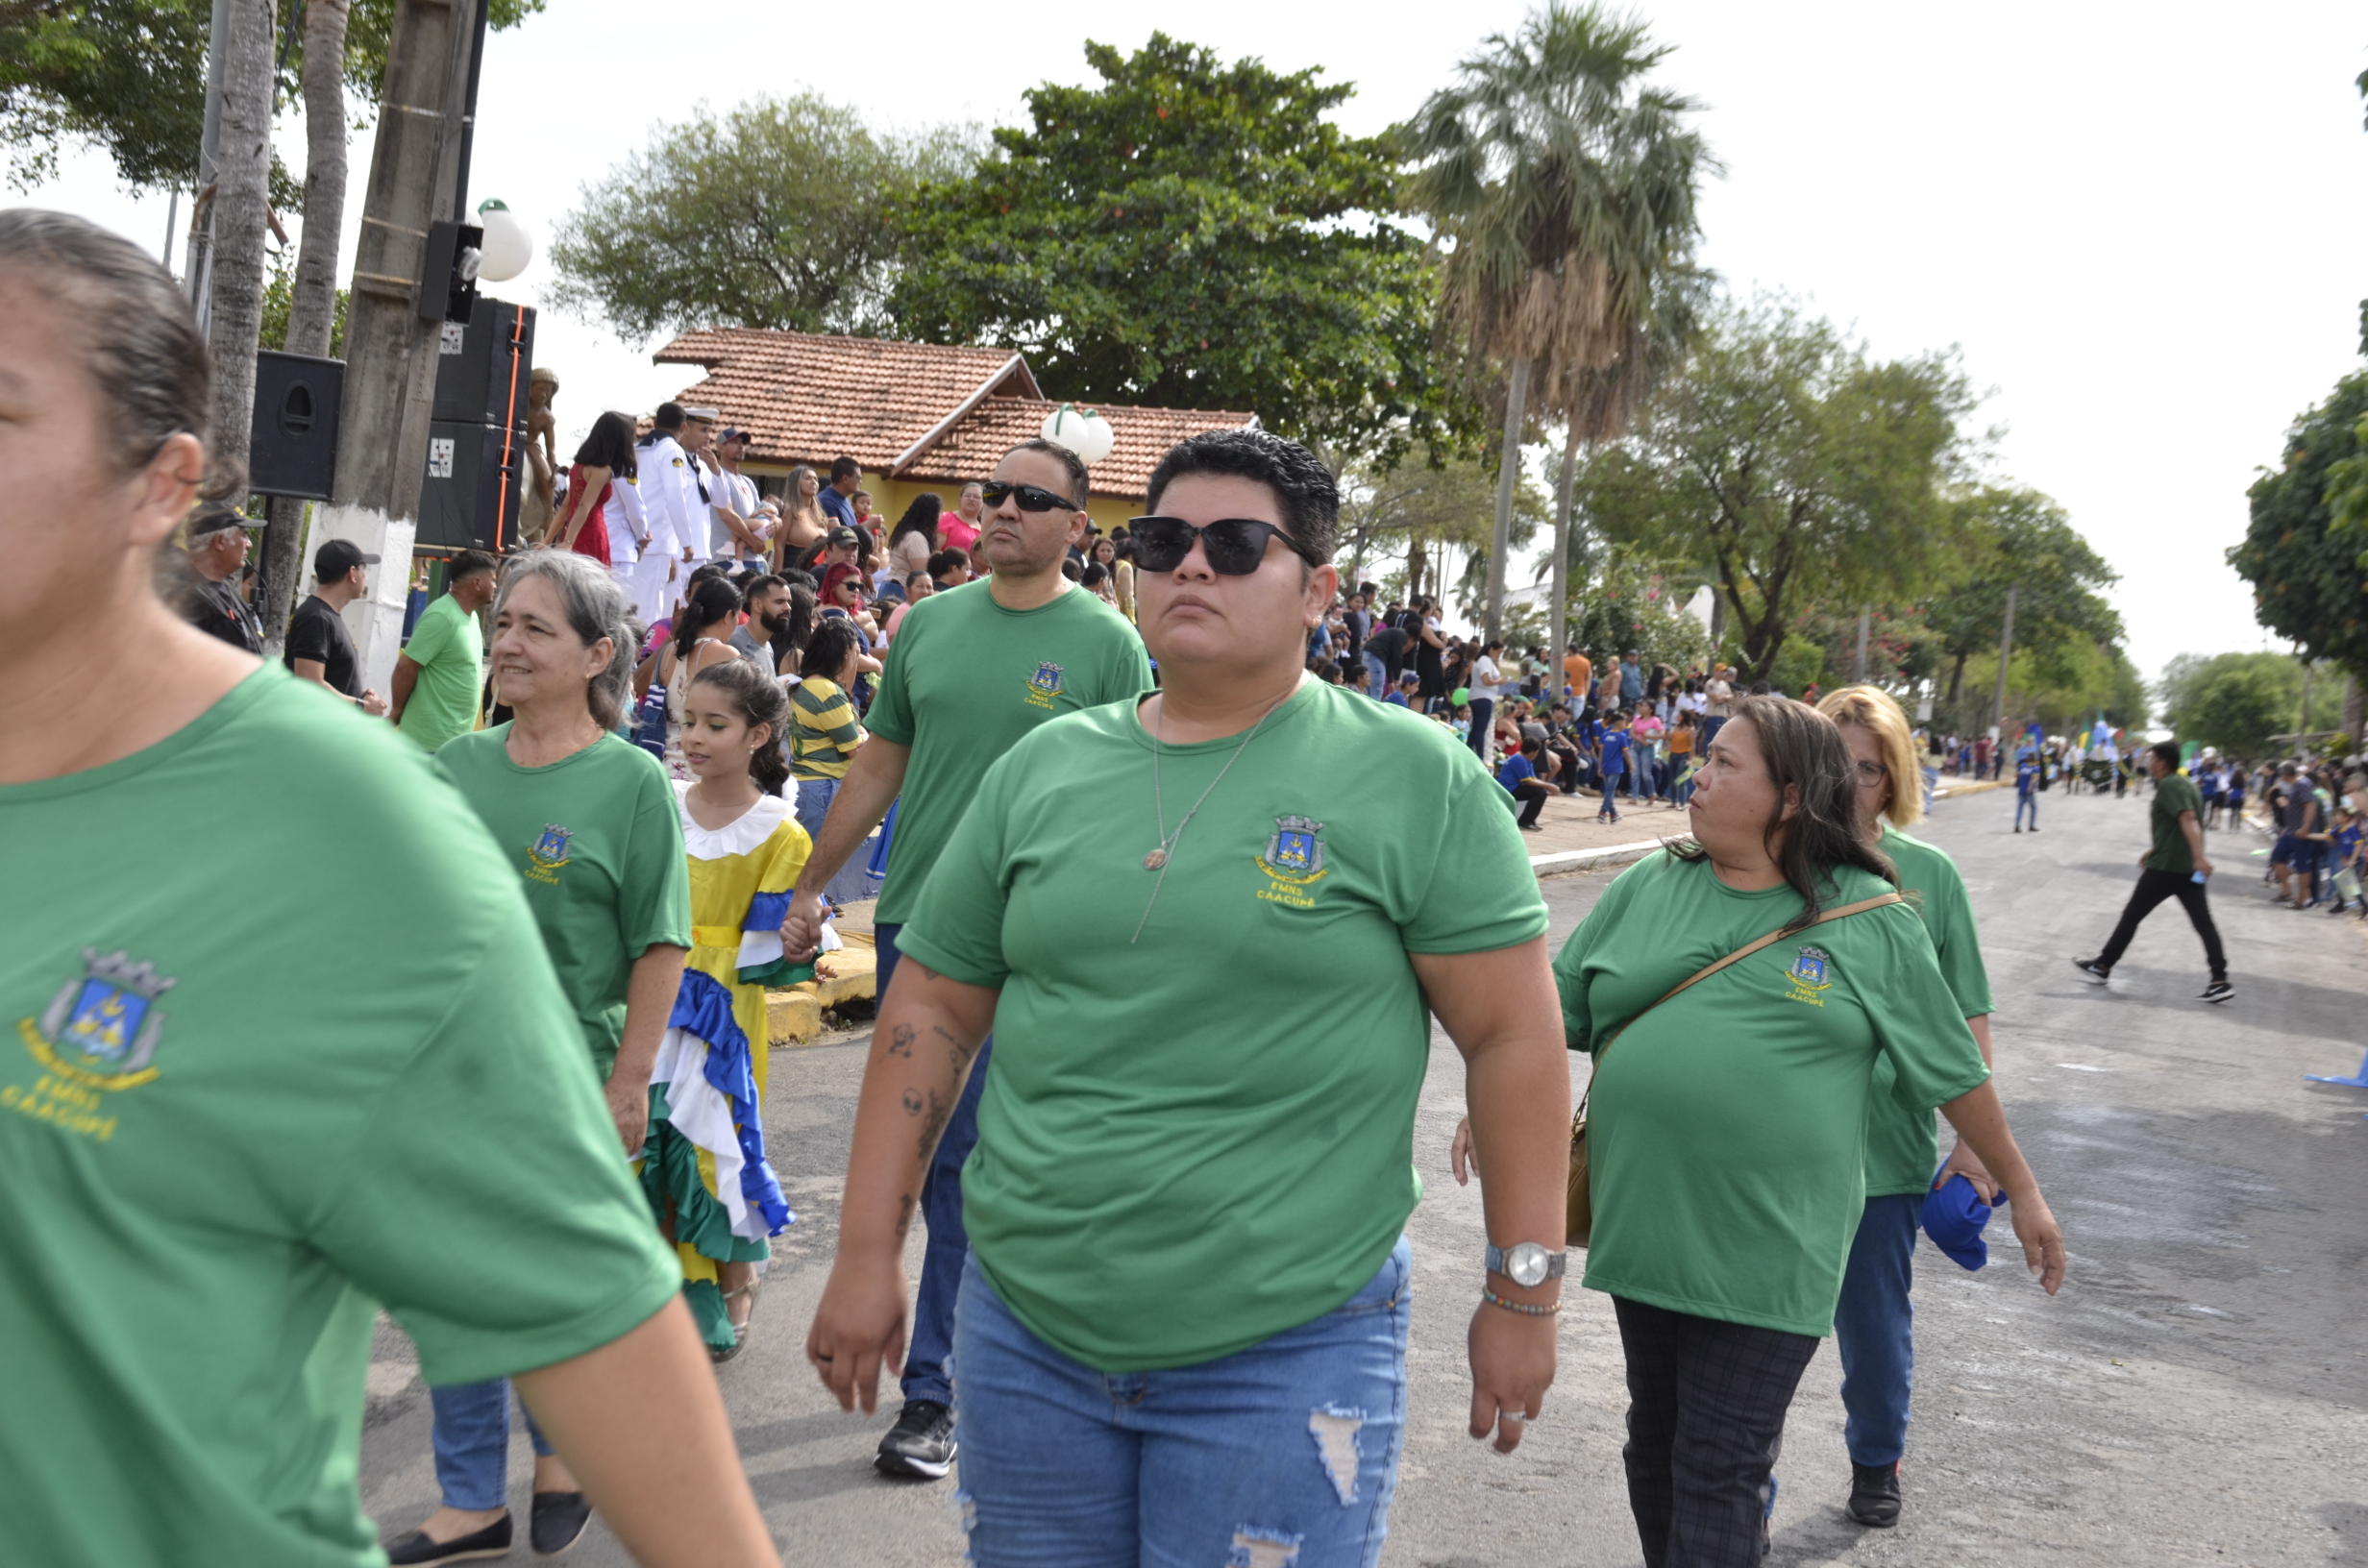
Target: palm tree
x: 1565, y: 188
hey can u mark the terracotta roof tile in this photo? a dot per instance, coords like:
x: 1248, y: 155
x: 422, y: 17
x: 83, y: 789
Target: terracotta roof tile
x: 807, y: 399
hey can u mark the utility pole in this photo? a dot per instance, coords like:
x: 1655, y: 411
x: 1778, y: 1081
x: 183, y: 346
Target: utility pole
x: 1857, y: 674
x: 391, y: 351
x: 2006, y: 652
x: 197, y: 266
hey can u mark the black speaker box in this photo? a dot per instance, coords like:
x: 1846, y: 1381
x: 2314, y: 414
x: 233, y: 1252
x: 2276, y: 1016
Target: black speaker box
x: 292, y: 450
x: 483, y: 368
x: 470, y: 497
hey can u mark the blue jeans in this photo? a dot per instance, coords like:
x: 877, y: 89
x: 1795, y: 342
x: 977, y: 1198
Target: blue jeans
x: 948, y: 1244
x: 1874, y: 1328
x: 1284, y: 1452
x: 1377, y: 685
x: 2023, y: 803
x: 471, y: 1438
x: 1482, y: 713
x: 1611, y: 787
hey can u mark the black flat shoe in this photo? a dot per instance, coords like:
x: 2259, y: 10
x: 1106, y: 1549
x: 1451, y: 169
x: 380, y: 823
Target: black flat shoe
x: 1874, y: 1495
x: 416, y: 1548
x: 557, y: 1522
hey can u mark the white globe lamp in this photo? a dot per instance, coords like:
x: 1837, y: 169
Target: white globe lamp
x: 508, y: 247
x: 1082, y: 431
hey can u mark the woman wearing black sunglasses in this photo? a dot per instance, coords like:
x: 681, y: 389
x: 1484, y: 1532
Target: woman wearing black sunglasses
x: 1194, y: 1163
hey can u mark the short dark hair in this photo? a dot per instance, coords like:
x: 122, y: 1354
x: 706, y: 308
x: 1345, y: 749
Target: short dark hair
x: 2168, y: 752
x: 833, y: 638
x: 669, y: 416
x: 757, y: 587
x: 468, y: 563
x: 1310, y: 498
x: 844, y: 468
x: 1081, y: 482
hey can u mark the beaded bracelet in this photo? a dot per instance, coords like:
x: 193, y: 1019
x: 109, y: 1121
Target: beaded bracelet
x: 1523, y: 1308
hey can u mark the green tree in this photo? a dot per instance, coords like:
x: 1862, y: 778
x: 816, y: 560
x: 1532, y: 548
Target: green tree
x: 1565, y: 189
x: 128, y: 78
x: 1423, y: 515
x: 1799, y: 470
x: 1190, y: 234
x: 2018, y: 539
x: 2306, y: 574
x: 782, y: 212
x: 2237, y: 703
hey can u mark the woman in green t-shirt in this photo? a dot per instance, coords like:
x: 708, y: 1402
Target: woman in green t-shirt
x: 1182, y: 1333
x: 588, y: 823
x: 1727, y: 1128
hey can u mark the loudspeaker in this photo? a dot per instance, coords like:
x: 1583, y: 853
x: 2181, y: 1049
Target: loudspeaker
x: 484, y: 367
x: 292, y: 450
x: 470, y: 499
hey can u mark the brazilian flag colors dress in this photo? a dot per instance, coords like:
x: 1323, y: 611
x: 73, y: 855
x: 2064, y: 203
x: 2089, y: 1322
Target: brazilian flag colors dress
x: 704, y: 1170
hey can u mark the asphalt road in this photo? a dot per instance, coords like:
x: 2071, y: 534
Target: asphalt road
x: 2198, y: 1393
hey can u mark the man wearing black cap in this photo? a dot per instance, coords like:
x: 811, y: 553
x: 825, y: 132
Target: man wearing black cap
x: 218, y: 544
x: 320, y: 649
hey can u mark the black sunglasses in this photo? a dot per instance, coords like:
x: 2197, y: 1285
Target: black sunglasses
x: 1233, y: 545
x: 1032, y: 497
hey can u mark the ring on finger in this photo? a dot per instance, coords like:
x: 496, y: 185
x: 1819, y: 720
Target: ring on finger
x: 1511, y: 1418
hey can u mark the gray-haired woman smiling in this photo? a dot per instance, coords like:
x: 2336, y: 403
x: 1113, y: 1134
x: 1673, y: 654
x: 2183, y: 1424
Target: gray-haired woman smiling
x: 589, y: 823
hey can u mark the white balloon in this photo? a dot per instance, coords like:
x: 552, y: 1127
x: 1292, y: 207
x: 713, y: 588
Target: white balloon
x: 1082, y: 431
x: 508, y: 247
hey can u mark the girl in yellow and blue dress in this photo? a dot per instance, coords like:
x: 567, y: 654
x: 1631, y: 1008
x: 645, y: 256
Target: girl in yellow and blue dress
x: 704, y: 1169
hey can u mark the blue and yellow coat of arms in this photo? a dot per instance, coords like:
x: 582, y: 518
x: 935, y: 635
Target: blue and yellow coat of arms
x: 101, y: 1030
x: 1294, y: 862
x: 1811, y: 975
x: 548, y: 854
x: 1044, y: 684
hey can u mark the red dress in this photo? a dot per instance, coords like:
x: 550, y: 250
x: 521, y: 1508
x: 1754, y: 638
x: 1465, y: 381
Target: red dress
x: 592, y: 539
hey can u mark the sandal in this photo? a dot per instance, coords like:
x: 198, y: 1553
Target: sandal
x: 741, y: 1331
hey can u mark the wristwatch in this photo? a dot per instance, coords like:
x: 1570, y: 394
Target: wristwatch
x: 1526, y: 1263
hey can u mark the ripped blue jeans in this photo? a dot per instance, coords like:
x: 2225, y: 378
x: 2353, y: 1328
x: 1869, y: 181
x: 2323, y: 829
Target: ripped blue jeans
x: 1281, y: 1456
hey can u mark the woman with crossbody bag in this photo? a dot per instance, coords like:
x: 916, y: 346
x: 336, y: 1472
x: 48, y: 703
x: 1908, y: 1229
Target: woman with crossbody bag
x: 1736, y: 994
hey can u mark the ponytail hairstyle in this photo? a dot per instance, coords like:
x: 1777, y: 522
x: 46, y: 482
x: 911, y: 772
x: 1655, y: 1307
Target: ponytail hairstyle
x: 758, y: 699
x: 712, y: 601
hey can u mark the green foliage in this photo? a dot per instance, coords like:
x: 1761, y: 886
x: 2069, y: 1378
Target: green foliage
x: 1418, y: 515
x: 782, y: 213
x: 2062, y: 694
x: 2307, y: 574
x: 1635, y: 604
x: 1799, y: 665
x: 1190, y: 235
x: 2019, y: 539
x: 1802, y: 471
x: 129, y: 77
x: 2236, y: 701
x: 279, y: 292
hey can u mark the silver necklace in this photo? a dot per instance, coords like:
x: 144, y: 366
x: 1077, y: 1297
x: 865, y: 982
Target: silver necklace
x: 1158, y: 859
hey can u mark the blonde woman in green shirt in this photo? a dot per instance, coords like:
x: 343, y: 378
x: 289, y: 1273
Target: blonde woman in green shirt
x: 1727, y: 1125
x: 1181, y: 1332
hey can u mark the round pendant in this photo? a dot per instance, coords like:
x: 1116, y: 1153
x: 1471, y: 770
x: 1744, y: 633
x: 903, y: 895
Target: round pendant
x: 1153, y: 861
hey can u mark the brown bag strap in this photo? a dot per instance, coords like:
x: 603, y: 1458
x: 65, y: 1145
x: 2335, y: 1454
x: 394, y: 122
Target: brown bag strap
x: 1740, y: 953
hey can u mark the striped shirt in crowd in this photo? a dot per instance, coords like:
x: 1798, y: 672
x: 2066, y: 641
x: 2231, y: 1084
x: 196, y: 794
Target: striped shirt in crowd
x: 824, y: 732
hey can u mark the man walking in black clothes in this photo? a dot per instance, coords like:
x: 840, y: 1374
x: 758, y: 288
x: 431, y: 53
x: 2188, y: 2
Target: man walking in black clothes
x: 2175, y: 867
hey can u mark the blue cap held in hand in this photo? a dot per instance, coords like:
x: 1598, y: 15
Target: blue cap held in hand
x: 1954, y: 1214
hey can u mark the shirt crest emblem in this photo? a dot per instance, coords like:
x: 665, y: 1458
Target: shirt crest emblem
x: 1044, y: 684
x: 1294, y: 862
x: 548, y: 854
x: 101, y: 1029
x: 1809, y: 976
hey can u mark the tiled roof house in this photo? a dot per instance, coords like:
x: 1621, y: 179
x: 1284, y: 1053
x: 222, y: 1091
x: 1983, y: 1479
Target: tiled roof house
x: 918, y: 416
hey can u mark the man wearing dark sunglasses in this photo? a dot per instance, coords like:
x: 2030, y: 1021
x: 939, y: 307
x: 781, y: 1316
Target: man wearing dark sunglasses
x: 973, y: 671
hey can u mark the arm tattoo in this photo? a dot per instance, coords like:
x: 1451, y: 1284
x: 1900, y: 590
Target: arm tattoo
x: 904, y: 1215
x: 912, y: 1101
x: 940, y: 1108
x: 925, y: 969
x: 901, y: 1042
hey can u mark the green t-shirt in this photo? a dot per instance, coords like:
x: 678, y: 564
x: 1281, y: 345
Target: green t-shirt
x: 1902, y: 1146
x: 450, y: 652
x: 597, y: 842
x: 964, y: 680
x: 2174, y: 792
x: 1194, y: 1141
x: 236, y: 1118
x: 1727, y: 1131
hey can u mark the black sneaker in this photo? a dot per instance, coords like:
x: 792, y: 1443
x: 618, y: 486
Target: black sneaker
x: 1874, y: 1495
x: 2219, y: 990
x: 415, y: 1548
x: 922, y: 1442
x: 557, y: 1522
x: 2096, y: 973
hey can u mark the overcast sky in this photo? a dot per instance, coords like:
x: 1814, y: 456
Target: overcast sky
x: 2144, y: 226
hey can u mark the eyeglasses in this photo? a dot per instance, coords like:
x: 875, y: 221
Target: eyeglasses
x: 1872, y: 772
x: 1233, y: 545
x: 1032, y: 497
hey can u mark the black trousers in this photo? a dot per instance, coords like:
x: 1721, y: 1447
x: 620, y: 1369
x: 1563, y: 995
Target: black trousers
x: 1529, y: 798
x: 1706, y: 1417
x: 2153, y: 887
